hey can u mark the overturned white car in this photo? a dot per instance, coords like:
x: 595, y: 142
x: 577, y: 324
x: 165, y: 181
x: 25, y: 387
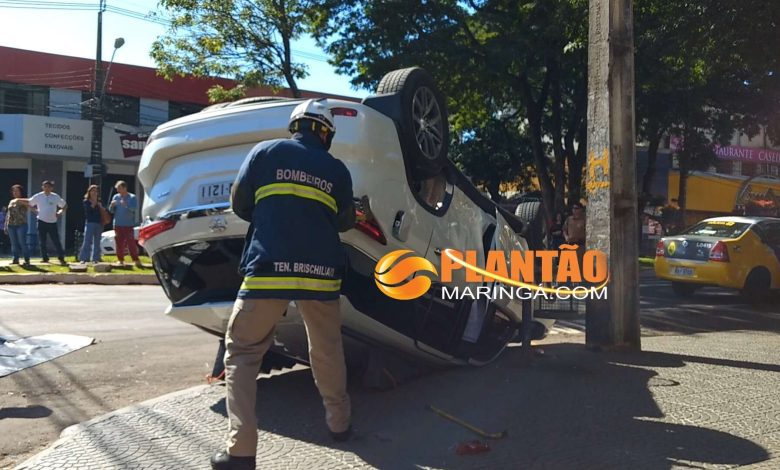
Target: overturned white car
x: 395, y: 145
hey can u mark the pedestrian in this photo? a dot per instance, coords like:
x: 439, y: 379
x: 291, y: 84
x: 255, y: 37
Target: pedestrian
x: 124, y: 206
x: 574, y: 229
x: 297, y: 198
x: 48, y: 206
x: 16, y: 225
x: 93, y: 227
x: 556, y: 232
x: 3, y: 235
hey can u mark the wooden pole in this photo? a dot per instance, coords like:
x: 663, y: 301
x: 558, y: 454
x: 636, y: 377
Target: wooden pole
x: 612, y: 225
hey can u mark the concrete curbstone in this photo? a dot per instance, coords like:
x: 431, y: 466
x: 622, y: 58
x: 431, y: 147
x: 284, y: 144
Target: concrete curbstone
x: 79, y: 278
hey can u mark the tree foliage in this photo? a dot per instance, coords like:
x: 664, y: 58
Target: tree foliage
x: 246, y: 40
x: 703, y: 73
x: 490, y: 57
x: 703, y: 70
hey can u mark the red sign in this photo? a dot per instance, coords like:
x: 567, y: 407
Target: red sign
x: 133, y: 144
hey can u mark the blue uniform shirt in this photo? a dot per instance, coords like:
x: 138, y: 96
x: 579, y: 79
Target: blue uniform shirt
x: 297, y: 197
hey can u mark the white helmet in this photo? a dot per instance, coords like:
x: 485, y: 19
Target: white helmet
x: 314, y: 111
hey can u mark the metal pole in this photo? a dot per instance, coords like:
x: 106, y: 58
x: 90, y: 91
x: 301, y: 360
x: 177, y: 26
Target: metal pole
x: 612, y: 225
x: 96, y: 106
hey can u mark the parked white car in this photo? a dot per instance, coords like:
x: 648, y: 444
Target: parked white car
x: 108, y: 241
x: 395, y: 146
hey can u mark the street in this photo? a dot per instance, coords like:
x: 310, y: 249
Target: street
x: 140, y: 354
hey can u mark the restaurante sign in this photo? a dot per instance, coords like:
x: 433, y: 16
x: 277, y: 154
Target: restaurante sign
x: 748, y: 154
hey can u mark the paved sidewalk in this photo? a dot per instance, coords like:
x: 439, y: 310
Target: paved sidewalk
x: 697, y: 401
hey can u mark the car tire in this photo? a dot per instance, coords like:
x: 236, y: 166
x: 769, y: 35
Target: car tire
x: 683, y: 289
x: 757, y: 285
x: 532, y: 215
x: 424, y: 126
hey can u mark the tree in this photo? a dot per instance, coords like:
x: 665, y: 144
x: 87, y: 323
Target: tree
x: 703, y: 72
x: 493, y: 154
x: 246, y: 40
x: 489, y: 57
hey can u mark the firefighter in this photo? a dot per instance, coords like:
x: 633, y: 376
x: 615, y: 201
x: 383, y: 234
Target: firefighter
x: 297, y: 198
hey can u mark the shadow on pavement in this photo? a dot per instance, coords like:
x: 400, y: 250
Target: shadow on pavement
x: 29, y: 411
x: 572, y: 409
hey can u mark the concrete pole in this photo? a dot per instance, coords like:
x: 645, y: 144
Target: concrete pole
x: 96, y: 108
x: 612, y: 224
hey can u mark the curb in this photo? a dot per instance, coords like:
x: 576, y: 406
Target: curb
x: 70, y: 431
x: 79, y: 278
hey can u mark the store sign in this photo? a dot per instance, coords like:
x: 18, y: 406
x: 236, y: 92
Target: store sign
x: 735, y: 153
x: 748, y: 154
x: 56, y: 136
x: 133, y: 144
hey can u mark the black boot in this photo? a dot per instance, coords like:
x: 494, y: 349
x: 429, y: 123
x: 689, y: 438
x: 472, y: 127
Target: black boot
x: 224, y: 461
x: 342, y: 436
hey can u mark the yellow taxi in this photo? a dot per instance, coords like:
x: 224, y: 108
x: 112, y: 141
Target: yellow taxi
x: 734, y: 252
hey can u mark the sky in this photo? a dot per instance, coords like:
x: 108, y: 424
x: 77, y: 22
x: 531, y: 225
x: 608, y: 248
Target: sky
x: 73, y: 33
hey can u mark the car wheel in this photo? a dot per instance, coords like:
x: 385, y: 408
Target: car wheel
x: 682, y: 289
x: 532, y: 215
x: 757, y: 285
x: 424, y: 125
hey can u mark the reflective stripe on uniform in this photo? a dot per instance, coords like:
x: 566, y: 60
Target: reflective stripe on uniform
x: 293, y: 189
x: 291, y: 283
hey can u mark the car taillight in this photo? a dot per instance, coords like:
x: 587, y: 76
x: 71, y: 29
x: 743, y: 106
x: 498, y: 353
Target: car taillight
x: 719, y: 252
x: 370, y: 228
x: 660, y: 249
x: 348, y: 112
x: 155, y: 228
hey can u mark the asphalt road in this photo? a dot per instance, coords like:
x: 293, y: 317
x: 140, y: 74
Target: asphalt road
x: 139, y: 354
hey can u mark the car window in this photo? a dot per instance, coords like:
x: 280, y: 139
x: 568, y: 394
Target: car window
x: 718, y: 228
x: 433, y: 192
x: 772, y: 234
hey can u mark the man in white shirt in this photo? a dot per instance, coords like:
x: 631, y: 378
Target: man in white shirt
x: 48, y: 207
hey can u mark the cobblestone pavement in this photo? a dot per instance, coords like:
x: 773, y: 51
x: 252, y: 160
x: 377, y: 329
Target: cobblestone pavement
x: 696, y: 401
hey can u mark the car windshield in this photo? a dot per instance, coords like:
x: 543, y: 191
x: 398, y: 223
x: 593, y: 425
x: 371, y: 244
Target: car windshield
x: 718, y: 228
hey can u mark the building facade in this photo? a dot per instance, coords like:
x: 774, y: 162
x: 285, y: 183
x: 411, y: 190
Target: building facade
x: 46, y: 131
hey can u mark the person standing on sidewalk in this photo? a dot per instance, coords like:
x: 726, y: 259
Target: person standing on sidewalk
x: 93, y: 227
x: 16, y: 225
x: 124, y: 206
x: 297, y: 197
x: 48, y: 207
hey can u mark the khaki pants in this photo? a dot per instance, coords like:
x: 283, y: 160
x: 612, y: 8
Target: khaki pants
x: 250, y: 333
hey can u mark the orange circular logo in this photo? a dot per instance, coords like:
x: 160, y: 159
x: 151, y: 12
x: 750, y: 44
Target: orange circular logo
x: 394, y: 276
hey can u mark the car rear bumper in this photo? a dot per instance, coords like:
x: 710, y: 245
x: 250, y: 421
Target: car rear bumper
x: 711, y: 273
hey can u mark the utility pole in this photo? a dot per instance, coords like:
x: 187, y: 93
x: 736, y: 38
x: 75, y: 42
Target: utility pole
x: 612, y: 225
x: 96, y: 106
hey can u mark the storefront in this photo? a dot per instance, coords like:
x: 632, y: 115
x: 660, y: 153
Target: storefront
x: 37, y: 148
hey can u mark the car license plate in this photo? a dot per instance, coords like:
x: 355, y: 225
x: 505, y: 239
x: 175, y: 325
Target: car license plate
x: 678, y: 271
x: 212, y: 193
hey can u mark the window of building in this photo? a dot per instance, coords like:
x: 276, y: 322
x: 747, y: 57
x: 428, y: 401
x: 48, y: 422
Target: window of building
x: 117, y: 108
x: 736, y: 168
x: 23, y: 99
x: 177, y: 110
x: 773, y: 170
